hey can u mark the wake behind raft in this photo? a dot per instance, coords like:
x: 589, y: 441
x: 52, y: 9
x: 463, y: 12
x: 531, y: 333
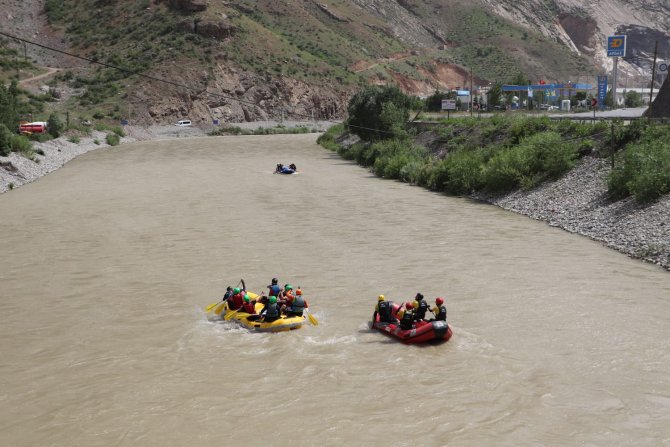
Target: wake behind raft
x: 422, y: 332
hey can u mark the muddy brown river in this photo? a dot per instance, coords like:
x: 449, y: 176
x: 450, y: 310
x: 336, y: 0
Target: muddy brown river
x: 108, y: 263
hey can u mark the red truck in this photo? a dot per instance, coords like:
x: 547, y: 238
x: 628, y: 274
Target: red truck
x: 34, y: 127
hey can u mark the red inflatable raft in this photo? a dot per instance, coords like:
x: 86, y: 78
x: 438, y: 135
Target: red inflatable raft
x: 422, y: 332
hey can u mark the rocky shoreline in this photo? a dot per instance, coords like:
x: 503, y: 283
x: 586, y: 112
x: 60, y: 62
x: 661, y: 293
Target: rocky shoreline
x: 576, y: 203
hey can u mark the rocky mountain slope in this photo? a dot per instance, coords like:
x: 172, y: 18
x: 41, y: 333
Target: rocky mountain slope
x: 251, y: 60
x: 584, y: 26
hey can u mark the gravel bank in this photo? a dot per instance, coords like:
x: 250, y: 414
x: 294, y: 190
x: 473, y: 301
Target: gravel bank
x: 576, y: 203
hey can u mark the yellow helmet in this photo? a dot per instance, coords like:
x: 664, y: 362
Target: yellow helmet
x: 416, y: 304
x: 380, y: 298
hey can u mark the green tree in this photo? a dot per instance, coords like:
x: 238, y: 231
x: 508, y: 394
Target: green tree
x: 9, y: 105
x: 372, y: 118
x: 55, y: 126
x: 633, y: 99
x: 5, y: 140
x: 609, y: 102
x: 494, y: 94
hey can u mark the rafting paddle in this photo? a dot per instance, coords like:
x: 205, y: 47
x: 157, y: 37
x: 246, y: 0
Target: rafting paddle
x: 230, y: 315
x: 211, y: 306
x: 312, y: 319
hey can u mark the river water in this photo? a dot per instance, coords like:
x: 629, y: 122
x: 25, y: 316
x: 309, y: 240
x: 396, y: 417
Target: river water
x: 108, y: 263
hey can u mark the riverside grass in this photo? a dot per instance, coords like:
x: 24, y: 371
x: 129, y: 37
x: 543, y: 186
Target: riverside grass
x: 504, y: 153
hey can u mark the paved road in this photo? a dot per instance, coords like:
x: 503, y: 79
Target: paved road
x: 617, y: 113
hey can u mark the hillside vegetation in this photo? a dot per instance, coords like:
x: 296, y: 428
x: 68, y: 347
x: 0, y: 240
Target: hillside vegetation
x: 246, y: 60
x: 498, y: 154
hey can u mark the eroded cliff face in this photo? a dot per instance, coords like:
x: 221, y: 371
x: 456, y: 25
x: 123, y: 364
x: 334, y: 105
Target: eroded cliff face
x: 584, y: 26
x: 229, y: 94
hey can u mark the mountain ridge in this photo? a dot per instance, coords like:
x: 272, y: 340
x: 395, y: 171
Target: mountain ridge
x: 256, y: 60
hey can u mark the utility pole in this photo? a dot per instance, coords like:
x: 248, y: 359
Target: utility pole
x: 653, y: 78
x: 614, y: 74
x: 472, y: 96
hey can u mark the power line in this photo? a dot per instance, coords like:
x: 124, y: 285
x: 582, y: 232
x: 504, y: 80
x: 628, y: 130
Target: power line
x: 137, y: 73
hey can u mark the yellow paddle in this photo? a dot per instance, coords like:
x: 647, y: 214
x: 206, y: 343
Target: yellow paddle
x: 312, y: 319
x: 230, y: 315
x: 219, y: 309
x: 210, y: 307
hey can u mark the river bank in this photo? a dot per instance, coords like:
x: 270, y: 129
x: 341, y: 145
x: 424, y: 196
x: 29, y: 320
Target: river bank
x: 576, y: 203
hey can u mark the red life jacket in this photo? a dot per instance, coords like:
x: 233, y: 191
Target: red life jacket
x: 237, y: 301
x: 249, y: 308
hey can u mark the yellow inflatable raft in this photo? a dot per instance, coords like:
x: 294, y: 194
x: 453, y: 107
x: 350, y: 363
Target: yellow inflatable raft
x: 254, y: 322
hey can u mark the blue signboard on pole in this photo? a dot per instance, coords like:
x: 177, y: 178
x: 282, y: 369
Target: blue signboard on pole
x: 616, y: 46
x: 602, y: 91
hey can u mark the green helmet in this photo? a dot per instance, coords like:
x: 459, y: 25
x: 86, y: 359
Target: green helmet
x: 246, y: 298
x: 236, y: 290
x: 273, y: 299
x: 288, y: 287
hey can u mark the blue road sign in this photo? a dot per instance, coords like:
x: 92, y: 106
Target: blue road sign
x: 602, y: 91
x: 616, y: 46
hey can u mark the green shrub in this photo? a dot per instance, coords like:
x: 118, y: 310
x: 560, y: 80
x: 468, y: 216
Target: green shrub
x: 22, y: 144
x: 327, y: 139
x: 438, y: 176
x: 464, y: 172
x: 5, y: 141
x: 643, y: 171
x: 112, y: 139
x: 505, y: 170
x: 378, y: 113
x: 74, y: 139
x: 55, y: 126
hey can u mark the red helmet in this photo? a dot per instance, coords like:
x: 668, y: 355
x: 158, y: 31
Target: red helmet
x: 439, y: 301
x: 409, y: 305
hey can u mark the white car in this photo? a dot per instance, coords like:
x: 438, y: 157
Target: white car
x: 183, y: 123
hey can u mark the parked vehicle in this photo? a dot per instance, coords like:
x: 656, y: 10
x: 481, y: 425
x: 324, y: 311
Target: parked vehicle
x: 183, y: 123
x: 34, y: 127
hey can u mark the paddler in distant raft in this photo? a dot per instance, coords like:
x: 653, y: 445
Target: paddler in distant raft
x: 440, y: 310
x: 236, y: 301
x: 406, y: 316
x: 295, y: 305
x: 384, y: 310
x: 281, y: 169
x: 421, y: 307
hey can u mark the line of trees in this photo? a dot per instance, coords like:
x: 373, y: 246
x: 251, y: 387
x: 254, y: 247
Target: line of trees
x: 500, y: 153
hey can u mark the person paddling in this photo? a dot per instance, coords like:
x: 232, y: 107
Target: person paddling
x: 383, y: 309
x: 421, y: 307
x: 249, y: 305
x: 295, y: 305
x: 237, y: 300
x: 406, y: 316
x: 274, y: 287
x: 228, y: 294
x: 270, y: 312
x: 440, y: 310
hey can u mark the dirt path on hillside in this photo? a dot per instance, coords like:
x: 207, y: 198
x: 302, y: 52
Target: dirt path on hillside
x: 50, y: 71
